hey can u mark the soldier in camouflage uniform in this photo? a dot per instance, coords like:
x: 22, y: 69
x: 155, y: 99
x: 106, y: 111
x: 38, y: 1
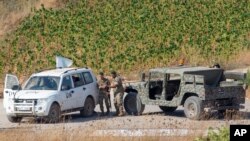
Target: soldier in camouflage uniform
x: 118, y: 93
x: 104, y: 92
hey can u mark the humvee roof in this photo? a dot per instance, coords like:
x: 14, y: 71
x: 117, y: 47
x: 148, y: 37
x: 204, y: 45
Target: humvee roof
x: 183, y: 69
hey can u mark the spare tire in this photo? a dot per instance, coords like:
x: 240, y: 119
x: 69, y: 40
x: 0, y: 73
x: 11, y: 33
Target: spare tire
x: 133, y: 104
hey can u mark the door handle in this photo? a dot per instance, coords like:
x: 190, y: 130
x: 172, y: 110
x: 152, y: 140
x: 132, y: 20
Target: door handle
x: 84, y: 88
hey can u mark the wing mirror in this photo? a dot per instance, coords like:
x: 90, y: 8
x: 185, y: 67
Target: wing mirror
x: 16, y: 87
x: 65, y: 87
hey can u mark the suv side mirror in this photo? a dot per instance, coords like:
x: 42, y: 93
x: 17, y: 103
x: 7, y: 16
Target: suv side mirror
x: 65, y: 87
x: 16, y: 87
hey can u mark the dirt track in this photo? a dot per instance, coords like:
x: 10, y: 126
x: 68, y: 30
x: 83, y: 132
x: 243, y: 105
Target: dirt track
x: 152, y: 121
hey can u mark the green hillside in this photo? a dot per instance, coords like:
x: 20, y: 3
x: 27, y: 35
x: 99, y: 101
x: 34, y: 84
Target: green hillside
x: 128, y: 35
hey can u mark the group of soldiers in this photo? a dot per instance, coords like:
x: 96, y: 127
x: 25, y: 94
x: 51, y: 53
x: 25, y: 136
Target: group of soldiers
x: 104, y: 95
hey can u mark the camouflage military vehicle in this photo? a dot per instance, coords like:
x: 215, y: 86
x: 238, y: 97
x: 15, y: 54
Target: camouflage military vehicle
x: 197, y: 89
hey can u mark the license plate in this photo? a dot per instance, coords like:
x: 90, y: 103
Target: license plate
x: 23, y: 108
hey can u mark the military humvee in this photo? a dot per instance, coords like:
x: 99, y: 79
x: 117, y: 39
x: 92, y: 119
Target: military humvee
x: 197, y: 89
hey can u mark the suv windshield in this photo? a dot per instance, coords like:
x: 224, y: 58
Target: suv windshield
x: 42, y: 83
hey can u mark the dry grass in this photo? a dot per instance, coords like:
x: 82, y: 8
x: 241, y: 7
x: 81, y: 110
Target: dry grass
x: 240, y: 61
x: 77, y: 135
x: 248, y: 93
x: 13, y: 12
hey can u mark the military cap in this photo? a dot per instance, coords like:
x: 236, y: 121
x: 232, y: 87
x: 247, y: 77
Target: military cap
x: 101, y: 73
x: 113, y: 72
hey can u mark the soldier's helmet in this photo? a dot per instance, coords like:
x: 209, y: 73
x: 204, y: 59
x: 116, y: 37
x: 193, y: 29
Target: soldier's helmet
x: 101, y: 73
x: 216, y: 65
x: 113, y: 72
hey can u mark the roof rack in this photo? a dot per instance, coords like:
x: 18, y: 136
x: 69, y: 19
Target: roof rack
x: 74, y: 69
x: 70, y: 70
x: 44, y: 70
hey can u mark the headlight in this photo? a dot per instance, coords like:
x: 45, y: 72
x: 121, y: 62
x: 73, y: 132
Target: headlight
x: 41, y: 101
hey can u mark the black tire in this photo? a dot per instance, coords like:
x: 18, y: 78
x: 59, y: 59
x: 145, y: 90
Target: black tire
x: 167, y: 109
x: 133, y: 104
x: 89, y: 107
x: 193, y: 108
x: 14, y: 119
x: 54, y: 114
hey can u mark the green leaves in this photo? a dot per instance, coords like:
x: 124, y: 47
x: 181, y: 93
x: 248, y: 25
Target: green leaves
x: 128, y: 35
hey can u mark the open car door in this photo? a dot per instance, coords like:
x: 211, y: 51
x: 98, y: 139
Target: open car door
x: 11, y: 86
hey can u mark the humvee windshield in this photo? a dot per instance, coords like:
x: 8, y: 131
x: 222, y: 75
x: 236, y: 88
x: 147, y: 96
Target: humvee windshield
x: 160, y: 76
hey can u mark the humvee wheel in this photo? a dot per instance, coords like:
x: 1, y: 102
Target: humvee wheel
x: 167, y: 109
x: 193, y: 108
x: 133, y: 105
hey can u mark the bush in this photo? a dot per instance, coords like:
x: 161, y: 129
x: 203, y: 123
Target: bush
x: 221, y: 134
x: 248, y: 78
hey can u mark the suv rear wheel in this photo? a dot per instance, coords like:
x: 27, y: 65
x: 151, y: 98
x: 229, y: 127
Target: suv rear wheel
x: 89, y: 107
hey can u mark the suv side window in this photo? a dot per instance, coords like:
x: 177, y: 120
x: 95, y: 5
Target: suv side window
x: 66, y: 83
x: 88, y: 77
x: 77, y: 80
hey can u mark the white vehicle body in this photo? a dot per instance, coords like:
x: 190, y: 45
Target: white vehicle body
x: 67, y: 87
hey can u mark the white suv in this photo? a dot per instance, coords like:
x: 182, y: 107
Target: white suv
x: 50, y: 93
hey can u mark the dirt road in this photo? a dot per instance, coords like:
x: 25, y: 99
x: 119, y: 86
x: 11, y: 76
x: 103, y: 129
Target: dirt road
x: 153, y: 121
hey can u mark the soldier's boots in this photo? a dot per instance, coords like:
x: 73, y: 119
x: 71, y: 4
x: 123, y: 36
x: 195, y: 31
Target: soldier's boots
x: 102, y: 114
x: 116, y: 113
x: 107, y: 113
x: 121, y: 112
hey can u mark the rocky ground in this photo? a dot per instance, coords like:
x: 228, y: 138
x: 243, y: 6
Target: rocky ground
x: 152, y: 122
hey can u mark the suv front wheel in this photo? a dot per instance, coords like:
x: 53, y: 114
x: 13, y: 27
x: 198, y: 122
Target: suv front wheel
x: 54, y: 114
x: 14, y: 119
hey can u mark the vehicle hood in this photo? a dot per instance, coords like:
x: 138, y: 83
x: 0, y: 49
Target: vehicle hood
x: 34, y: 94
x: 136, y: 85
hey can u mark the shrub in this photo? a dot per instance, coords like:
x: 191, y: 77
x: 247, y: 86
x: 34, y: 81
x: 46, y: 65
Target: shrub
x: 221, y: 134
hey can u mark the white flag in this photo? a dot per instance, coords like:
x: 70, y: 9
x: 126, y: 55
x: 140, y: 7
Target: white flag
x: 62, y: 62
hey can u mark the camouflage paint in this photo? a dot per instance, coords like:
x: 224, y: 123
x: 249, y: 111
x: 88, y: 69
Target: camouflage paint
x: 218, y: 95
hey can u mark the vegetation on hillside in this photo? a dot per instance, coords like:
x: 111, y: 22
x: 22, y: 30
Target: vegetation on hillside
x: 128, y: 35
x: 221, y: 135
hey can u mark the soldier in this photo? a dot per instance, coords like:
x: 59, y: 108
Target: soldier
x: 104, y: 93
x: 118, y: 93
x: 216, y: 65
